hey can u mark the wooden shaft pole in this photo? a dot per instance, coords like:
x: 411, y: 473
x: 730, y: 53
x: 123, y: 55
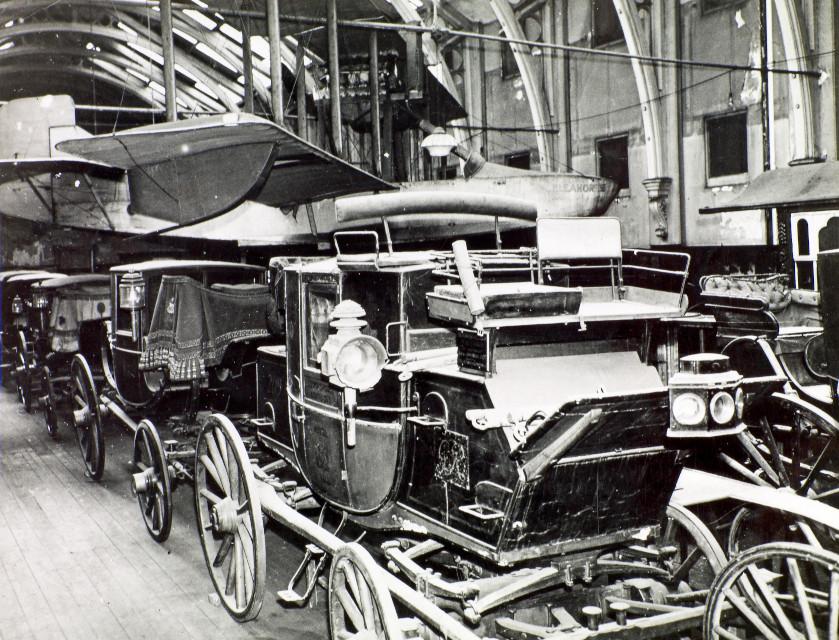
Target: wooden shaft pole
x: 247, y: 65
x: 300, y: 88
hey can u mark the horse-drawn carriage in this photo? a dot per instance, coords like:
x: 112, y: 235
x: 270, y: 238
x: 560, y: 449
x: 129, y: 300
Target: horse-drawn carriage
x: 65, y: 318
x: 509, y: 449
x: 181, y: 338
x: 19, y: 318
x: 505, y: 445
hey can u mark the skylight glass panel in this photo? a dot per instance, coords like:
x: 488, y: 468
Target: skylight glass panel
x: 186, y: 72
x: 231, y: 32
x: 126, y: 28
x: 6, y: 45
x: 184, y: 35
x: 143, y: 78
x: 213, y: 54
x: 147, y: 52
x: 203, y: 5
x: 260, y: 46
x: 200, y: 18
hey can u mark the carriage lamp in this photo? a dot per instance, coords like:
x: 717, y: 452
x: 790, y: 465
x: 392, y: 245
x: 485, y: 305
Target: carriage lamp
x: 40, y: 300
x: 17, y: 306
x: 132, y: 297
x: 705, y: 398
x: 350, y: 359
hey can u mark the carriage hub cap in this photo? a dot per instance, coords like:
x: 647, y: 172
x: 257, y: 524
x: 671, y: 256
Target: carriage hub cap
x: 143, y: 482
x: 223, y: 516
x: 81, y: 417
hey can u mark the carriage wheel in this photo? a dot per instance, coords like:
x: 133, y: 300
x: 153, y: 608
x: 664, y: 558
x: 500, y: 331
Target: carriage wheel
x: 782, y: 590
x: 699, y: 557
x: 359, y: 606
x: 23, y: 374
x: 152, y: 482
x: 229, y: 517
x: 48, y: 403
x: 87, y: 418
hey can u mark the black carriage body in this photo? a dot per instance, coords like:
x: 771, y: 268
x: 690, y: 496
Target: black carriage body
x: 136, y: 386
x: 20, y: 284
x: 438, y: 451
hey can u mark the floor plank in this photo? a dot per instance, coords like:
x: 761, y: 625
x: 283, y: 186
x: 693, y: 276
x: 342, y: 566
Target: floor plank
x: 77, y: 563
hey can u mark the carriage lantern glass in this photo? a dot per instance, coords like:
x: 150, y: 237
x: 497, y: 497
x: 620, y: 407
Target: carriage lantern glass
x: 17, y: 305
x: 40, y: 300
x: 132, y: 292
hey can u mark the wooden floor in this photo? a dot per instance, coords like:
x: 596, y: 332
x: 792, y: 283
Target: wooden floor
x: 76, y: 562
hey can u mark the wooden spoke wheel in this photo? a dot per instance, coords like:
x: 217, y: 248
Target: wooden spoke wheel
x: 698, y: 557
x: 49, y: 403
x: 360, y: 607
x: 799, y: 447
x: 777, y: 591
x: 151, y: 482
x: 87, y: 419
x: 23, y: 373
x: 229, y: 517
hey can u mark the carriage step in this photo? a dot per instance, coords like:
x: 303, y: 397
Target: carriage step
x: 310, y: 568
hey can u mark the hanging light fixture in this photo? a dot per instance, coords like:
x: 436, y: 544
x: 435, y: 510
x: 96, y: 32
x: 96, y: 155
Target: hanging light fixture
x: 438, y: 143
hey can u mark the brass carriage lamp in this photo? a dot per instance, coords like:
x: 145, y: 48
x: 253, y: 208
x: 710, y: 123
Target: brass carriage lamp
x: 132, y: 297
x: 706, y: 399
x: 351, y: 360
x: 17, y: 306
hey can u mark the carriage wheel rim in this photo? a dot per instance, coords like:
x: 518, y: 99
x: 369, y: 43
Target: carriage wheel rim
x: 89, y: 430
x: 359, y: 605
x: 150, y: 460
x: 234, y: 551
x: 752, y: 592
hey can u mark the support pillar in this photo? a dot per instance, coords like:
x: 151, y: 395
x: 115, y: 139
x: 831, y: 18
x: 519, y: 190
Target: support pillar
x: 334, y: 76
x: 276, y: 62
x: 247, y: 65
x: 300, y: 89
x: 375, y: 115
x: 168, y: 43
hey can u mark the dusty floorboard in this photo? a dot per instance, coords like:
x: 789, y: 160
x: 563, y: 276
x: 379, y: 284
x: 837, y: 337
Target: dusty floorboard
x: 76, y: 562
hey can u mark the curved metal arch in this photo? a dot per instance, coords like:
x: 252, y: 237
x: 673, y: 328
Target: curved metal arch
x: 647, y: 86
x: 801, y: 104
x: 536, y: 98
x: 143, y: 93
x: 199, y: 100
x: 197, y: 67
x: 118, y: 35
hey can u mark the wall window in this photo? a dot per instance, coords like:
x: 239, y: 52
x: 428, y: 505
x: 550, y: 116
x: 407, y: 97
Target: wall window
x: 605, y: 25
x: 726, y: 145
x: 709, y: 6
x: 613, y: 160
x: 518, y: 159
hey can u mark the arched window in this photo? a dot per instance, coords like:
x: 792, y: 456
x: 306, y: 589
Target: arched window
x: 802, y: 229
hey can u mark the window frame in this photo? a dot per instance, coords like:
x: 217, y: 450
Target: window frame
x: 741, y: 177
x: 595, y: 43
x: 623, y: 190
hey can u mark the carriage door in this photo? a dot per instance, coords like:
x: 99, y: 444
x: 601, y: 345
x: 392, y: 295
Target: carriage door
x: 358, y: 478
x: 804, y: 236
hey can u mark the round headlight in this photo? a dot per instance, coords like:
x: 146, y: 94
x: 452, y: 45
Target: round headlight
x: 359, y: 362
x: 722, y: 407
x: 739, y: 403
x: 688, y: 409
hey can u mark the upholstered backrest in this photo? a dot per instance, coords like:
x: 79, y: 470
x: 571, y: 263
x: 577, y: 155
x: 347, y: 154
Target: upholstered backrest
x: 578, y: 238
